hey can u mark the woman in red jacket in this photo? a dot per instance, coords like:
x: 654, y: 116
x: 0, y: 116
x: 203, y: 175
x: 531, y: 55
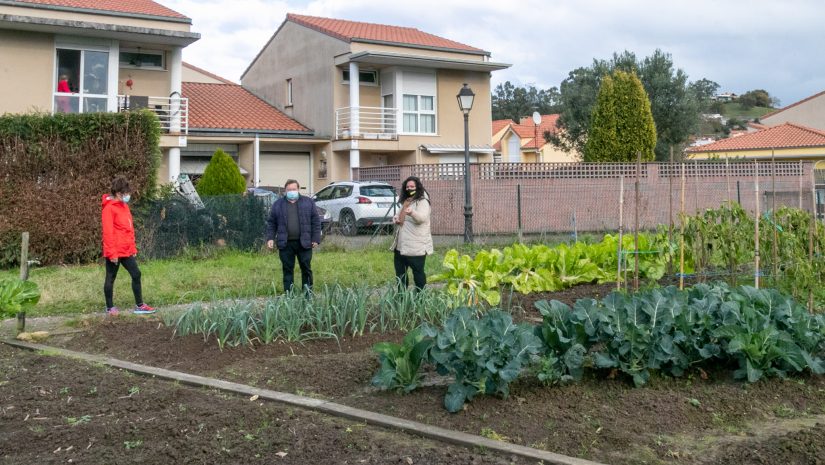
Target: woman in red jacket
x: 119, y: 245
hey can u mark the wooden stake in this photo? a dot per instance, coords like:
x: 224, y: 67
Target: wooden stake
x: 682, y: 233
x: 775, y: 235
x: 811, y: 233
x: 636, y: 226
x: 756, y: 234
x: 670, y: 210
x: 621, y: 210
x: 24, y: 275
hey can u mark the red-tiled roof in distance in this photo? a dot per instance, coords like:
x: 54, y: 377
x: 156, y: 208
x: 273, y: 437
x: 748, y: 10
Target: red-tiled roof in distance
x: 526, y: 129
x: 353, y: 31
x: 230, y: 106
x: 138, y: 7
x: 786, y: 135
x: 499, y: 124
x: 207, y: 73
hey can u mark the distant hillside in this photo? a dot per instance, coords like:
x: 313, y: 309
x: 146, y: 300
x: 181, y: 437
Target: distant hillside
x: 735, y: 110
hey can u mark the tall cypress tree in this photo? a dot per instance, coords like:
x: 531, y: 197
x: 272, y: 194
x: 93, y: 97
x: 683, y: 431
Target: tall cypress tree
x: 621, y: 123
x: 635, y: 129
x: 602, y: 144
x: 221, y: 176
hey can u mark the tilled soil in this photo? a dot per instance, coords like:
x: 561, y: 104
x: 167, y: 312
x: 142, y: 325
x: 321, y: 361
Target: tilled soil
x: 57, y: 410
x: 686, y: 420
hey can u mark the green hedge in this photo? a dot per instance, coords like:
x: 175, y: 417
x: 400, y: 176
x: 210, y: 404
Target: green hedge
x: 55, y: 169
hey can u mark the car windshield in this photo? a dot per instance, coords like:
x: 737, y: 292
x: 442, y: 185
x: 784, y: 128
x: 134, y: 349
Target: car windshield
x: 377, y: 191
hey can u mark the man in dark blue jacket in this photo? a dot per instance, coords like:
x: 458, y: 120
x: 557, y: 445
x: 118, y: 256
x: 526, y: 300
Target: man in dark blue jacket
x: 295, y: 227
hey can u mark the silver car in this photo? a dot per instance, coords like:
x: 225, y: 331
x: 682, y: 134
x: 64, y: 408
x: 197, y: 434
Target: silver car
x: 358, y: 204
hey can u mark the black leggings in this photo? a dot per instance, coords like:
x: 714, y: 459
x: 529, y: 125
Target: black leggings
x: 402, y: 262
x: 111, y: 273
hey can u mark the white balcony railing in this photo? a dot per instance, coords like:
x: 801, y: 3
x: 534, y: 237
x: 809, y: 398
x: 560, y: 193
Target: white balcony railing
x: 173, y: 112
x: 366, y: 123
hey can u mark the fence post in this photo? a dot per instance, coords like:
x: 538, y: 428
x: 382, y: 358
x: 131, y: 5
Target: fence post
x: 727, y: 175
x: 811, y: 233
x: 670, y: 209
x: 774, y: 236
x: 24, y: 276
x: 801, y: 171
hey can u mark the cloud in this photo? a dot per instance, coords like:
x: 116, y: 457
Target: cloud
x: 742, y: 46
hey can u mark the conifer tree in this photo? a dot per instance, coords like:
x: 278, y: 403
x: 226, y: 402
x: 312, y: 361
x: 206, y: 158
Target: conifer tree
x: 221, y: 176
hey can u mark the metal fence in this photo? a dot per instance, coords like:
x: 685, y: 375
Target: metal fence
x: 546, y: 198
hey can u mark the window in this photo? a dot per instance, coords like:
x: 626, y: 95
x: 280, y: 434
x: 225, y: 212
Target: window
x: 419, y: 114
x: 377, y: 191
x: 289, y: 92
x: 147, y: 59
x: 325, y: 193
x: 364, y: 77
x: 82, y: 78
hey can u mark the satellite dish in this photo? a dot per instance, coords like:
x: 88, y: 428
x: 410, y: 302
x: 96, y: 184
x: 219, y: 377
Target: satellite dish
x: 536, y: 118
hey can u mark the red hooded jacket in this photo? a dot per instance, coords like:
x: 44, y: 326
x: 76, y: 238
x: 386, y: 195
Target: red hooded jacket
x: 118, y: 230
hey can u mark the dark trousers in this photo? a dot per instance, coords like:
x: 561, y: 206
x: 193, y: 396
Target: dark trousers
x: 294, y: 249
x: 402, y: 262
x: 111, y: 273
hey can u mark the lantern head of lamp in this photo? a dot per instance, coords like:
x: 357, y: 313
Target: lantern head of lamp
x: 465, y: 99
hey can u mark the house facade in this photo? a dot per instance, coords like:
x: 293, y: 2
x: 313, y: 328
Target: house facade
x: 89, y: 56
x: 785, y: 142
x: 525, y: 142
x: 379, y: 95
x: 808, y: 112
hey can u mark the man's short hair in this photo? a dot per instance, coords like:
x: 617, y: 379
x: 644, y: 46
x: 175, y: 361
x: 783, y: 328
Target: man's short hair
x: 292, y: 181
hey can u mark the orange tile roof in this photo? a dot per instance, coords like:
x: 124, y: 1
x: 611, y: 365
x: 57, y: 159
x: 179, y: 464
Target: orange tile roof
x: 350, y: 31
x: 230, y: 106
x: 499, y: 124
x: 766, y: 115
x: 786, y: 135
x: 138, y: 7
x: 526, y: 129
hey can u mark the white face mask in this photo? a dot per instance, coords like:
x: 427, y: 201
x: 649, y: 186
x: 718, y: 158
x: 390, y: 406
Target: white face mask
x: 126, y: 198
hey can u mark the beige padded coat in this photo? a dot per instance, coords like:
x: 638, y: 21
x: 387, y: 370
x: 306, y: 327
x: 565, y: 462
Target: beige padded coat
x: 413, y: 238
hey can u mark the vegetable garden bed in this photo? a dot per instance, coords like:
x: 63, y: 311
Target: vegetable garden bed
x: 702, y: 417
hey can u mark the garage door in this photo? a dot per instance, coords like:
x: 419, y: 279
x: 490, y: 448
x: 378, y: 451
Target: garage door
x: 277, y: 167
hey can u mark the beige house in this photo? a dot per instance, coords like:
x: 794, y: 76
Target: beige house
x: 91, y: 56
x: 268, y: 146
x: 379, y: 95
x: 808, y: 112
x: 524, y: 142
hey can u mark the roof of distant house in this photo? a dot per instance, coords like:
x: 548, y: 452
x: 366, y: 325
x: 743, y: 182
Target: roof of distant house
x: 207, y: 73
x: 526, y: 130
x: 355, y: 31
x: 766, y: 115
x: 231, y: 107
x: 786, y: 135
x: 131, y: 7
x: 499, y: 124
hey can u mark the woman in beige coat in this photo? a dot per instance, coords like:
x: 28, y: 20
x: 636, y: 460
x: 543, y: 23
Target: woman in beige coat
x: 413, y: 240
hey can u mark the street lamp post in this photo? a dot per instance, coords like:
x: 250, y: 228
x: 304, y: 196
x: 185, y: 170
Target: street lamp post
x: 465, y: 103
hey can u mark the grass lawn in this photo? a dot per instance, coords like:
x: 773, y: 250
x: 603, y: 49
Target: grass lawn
x: 79, y: 289
x: 735, y: 110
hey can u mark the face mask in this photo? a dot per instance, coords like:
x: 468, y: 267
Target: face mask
x: 292, y: 195
x: 410, y: 192
x: 126, y: 198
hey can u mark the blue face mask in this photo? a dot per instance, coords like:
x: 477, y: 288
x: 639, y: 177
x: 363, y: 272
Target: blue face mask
x: 126, y: 198
x: 292, y: 195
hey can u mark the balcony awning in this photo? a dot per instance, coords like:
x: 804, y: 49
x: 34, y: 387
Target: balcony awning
x: 402, y: 59
x: 432, y: 148
x: 188, y: 165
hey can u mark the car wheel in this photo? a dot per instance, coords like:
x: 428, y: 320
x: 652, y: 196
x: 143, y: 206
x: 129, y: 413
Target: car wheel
x: 347, y: 222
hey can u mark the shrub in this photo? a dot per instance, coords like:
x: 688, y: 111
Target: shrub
x: 221, y: 176
x: 54, y: 170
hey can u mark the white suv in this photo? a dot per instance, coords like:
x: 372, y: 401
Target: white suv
x: 356, y: 204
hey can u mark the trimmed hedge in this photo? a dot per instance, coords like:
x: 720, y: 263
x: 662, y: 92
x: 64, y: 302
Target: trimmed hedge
x: 221, y: 176
x: 53, y: 171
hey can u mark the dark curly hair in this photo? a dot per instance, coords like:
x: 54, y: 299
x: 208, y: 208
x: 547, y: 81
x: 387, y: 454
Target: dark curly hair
x: 120, y: 186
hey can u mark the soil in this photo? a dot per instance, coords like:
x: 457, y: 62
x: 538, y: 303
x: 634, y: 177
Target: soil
x: 57, y: 410
x: 687, y: 420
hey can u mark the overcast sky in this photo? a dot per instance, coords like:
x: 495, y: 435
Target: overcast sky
x: 772, y: 45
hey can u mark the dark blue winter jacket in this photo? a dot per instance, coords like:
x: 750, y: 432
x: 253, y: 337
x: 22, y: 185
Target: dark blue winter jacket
x: 310, y: 222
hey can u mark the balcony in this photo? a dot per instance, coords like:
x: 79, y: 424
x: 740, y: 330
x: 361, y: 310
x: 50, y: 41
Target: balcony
x: 173, y: 112
x: 376, y: 123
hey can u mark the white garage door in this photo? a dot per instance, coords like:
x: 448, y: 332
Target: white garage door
x: 277, y: 167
